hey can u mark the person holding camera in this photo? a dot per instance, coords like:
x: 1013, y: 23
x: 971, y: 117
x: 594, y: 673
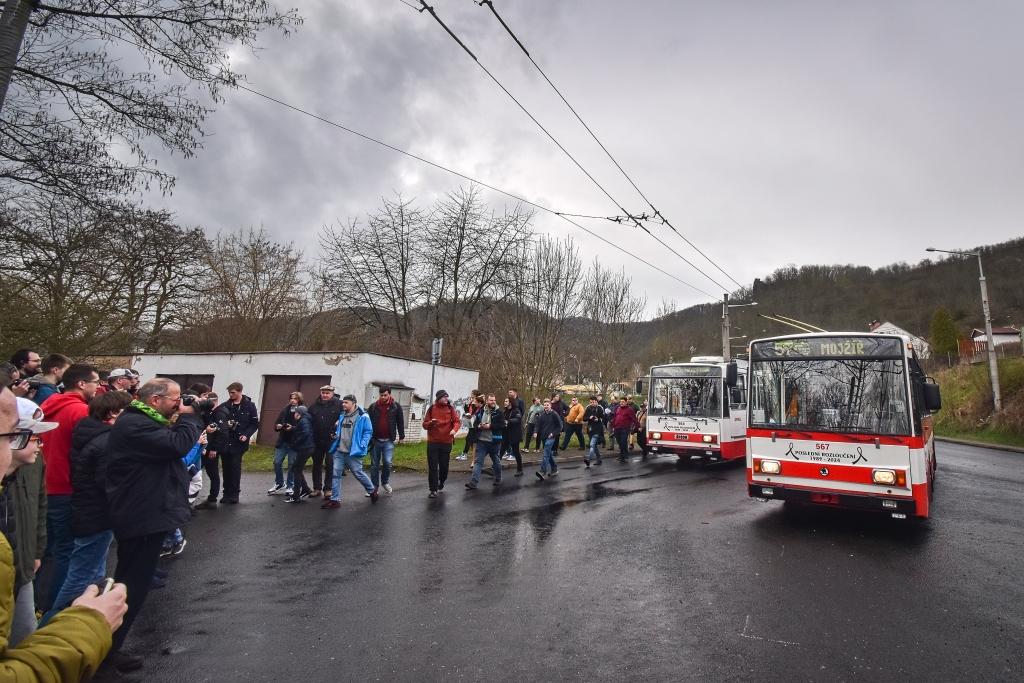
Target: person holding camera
x: 147, y: 490
x: 241, y: 421
x: 286, y: 423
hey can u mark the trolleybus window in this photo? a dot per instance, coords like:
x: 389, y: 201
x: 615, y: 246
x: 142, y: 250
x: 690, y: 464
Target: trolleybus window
x: 843, y: 395
x: 697, y: 396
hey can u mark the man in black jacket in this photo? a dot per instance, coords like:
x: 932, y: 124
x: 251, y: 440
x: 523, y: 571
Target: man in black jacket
x: 147, y: 485
x: 241, y: 421
x: 490, y: 423
x: 325, y: 412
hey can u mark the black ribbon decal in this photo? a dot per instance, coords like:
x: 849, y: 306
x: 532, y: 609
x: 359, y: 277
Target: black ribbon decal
x: 790, y: 451
x: 860, y: 456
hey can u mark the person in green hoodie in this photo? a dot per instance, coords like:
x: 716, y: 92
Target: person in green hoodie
x: 72, y: 646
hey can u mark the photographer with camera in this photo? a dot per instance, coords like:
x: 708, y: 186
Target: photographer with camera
x: 286, y: 424
x: 241, y: 421
x: 147, y: 490
x: 46, y: 383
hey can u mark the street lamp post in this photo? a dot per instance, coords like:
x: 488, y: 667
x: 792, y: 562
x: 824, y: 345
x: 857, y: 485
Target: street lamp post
x: 725, y: 324
x: 993, y: 370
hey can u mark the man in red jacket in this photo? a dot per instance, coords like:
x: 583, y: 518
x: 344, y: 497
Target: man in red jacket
x: 442, y: 423
x: 80, y: 382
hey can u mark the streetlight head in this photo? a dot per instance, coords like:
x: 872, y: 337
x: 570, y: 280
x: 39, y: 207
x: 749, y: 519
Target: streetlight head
x: 930, y: 249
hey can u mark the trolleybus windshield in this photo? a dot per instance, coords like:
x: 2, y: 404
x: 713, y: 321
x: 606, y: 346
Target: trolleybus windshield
x: 865, y: 395
x: 686, y: 390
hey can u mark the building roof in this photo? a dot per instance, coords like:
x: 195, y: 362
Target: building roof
x: 996, y: 330
x: 886, y: 325
x: 299, y: 353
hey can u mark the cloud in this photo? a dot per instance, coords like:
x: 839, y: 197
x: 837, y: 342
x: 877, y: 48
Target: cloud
x: 769, y: 133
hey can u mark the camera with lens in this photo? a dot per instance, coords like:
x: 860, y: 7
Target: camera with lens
x: 200, y: 405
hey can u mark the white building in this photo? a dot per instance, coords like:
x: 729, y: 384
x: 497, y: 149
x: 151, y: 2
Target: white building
x: 1000, y: 335
x: 921, y: 346
x: 269, y: 377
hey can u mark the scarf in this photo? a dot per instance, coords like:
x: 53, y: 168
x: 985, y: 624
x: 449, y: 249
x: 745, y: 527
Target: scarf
x: 143, y: 408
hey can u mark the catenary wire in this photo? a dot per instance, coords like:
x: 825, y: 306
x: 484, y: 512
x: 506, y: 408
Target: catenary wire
x: 564, y: 216
x: 657, y: 214
x: 558, y: 144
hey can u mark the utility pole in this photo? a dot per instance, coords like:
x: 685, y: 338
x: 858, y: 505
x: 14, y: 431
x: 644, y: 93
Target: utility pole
x: 993, y: 368
x: 435, y: 358
x: 725, y: 327
x: 13, y: 23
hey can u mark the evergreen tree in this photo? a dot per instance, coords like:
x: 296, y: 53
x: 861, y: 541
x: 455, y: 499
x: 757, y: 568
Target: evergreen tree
x: 944, y: 334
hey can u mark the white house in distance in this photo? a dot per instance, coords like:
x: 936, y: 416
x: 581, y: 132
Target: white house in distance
x: 921, y: 346
x: 269, y: 377
x: 1000, y: 335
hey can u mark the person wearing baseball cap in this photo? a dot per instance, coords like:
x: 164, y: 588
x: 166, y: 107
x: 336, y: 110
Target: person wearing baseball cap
x: 442, y: 422
x: 24, y: 489
x: 119, y: 379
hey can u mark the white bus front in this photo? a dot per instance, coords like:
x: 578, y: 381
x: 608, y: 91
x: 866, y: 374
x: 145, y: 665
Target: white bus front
x: 696, y: 410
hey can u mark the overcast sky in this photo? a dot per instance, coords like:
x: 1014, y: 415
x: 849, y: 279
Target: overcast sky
x: 769, y: 133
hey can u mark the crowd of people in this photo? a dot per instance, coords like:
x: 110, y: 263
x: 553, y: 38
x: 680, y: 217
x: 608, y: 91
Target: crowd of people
x: 96, y: 464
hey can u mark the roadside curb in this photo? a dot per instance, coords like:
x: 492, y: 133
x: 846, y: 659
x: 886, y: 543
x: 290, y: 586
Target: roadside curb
x: 980, y: 444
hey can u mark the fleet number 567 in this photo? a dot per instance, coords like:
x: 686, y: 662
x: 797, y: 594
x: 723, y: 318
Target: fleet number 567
x: 822, y: 446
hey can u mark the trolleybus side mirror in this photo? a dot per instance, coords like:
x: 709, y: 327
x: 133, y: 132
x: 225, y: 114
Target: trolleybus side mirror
x: 731, y: 374
x: 638, y: 387
x: 932, y: 397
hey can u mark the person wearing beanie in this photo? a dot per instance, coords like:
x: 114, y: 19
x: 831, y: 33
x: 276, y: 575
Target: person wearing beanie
x: 442, y: 423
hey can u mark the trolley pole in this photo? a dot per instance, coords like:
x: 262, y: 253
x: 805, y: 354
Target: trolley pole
x: 725, y: 328
x: 435, y: 358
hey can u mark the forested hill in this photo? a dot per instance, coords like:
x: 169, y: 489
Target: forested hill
x: 849, y: 298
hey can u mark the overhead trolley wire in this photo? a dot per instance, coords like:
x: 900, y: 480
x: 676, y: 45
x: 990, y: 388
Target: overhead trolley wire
x: 564, y: 216
x: 657, y: 214
x: 587, y: 173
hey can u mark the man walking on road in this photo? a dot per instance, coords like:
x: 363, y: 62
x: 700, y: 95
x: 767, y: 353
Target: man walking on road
x: 351, y: 442
x: 324, y: 412
x: 593, y: 417
x: 388, y: 423
x: 623, y: 424
x: 490, y: 423
x: 442, y: 423
x: 549, y: 425
x: 573, y: 424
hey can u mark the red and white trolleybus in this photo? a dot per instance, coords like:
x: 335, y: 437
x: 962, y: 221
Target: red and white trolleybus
x: 697, y: 410
x: 841, y: 419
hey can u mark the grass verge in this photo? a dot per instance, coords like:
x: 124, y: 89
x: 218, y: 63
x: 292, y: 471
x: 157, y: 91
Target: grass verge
x: 409, y: 457
x: 997, y: 438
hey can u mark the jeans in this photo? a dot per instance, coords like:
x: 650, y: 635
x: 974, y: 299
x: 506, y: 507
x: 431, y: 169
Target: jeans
x: 483, y: 450
x: 296, y: 475
x: 59, y: 545
x: 622, y: 438
x: 280, y: 453
x: 323, y: 467
x: 23, y: 621
x: 88, y: 566
x: 570, y: 431
x: 595, y: 452
x: 354, y: 463
x: 381, y: 449
x: 438, y: 455
x: 136, y: 562
x: 547, y: 463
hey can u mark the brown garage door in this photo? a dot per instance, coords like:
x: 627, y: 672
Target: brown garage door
x: 276, y: 389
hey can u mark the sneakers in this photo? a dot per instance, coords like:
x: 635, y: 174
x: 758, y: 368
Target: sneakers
x: 291, y: 499
x: 462, y: 457
x: 519, y: 473
x: 208, y: 504
x: 387, y: 488
x: 304, y: 495
x: 166, y: 550
x: 586, y: 463
x: 540, y: 475
x: 179, y: 548
x: 366, y: 494
x: 331, y: 505
x: 525, y: 450
x: 289, y: 491
x: 553, y: 473
x: 432, y: 494
x: 276, y: 488
x: 316, y: 493
x: 229, y: 501
x: 470, y: 485
x: 375, y: 495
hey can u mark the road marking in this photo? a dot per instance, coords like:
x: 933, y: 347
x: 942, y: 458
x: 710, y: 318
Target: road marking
x: 744, y: 634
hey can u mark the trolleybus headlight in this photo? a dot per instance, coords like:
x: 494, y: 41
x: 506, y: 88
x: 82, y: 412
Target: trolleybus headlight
x: 655, y: 435
x: 768, y: 466
x: 886, y: 477
x: 708, y: 438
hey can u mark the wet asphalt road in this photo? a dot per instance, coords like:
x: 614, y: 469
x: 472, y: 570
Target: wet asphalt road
x: 645, y: 569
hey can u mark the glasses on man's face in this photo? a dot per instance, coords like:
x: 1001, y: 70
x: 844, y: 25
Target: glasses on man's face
x: 19, y: 439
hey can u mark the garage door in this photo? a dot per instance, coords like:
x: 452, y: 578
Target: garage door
x: 276, y: 389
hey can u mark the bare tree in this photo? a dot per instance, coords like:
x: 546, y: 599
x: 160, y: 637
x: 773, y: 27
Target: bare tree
x: 612, y: 312
x: 84, y: 106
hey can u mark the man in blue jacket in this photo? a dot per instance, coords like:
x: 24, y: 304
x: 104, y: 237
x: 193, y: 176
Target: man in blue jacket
x: 351, y: 442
